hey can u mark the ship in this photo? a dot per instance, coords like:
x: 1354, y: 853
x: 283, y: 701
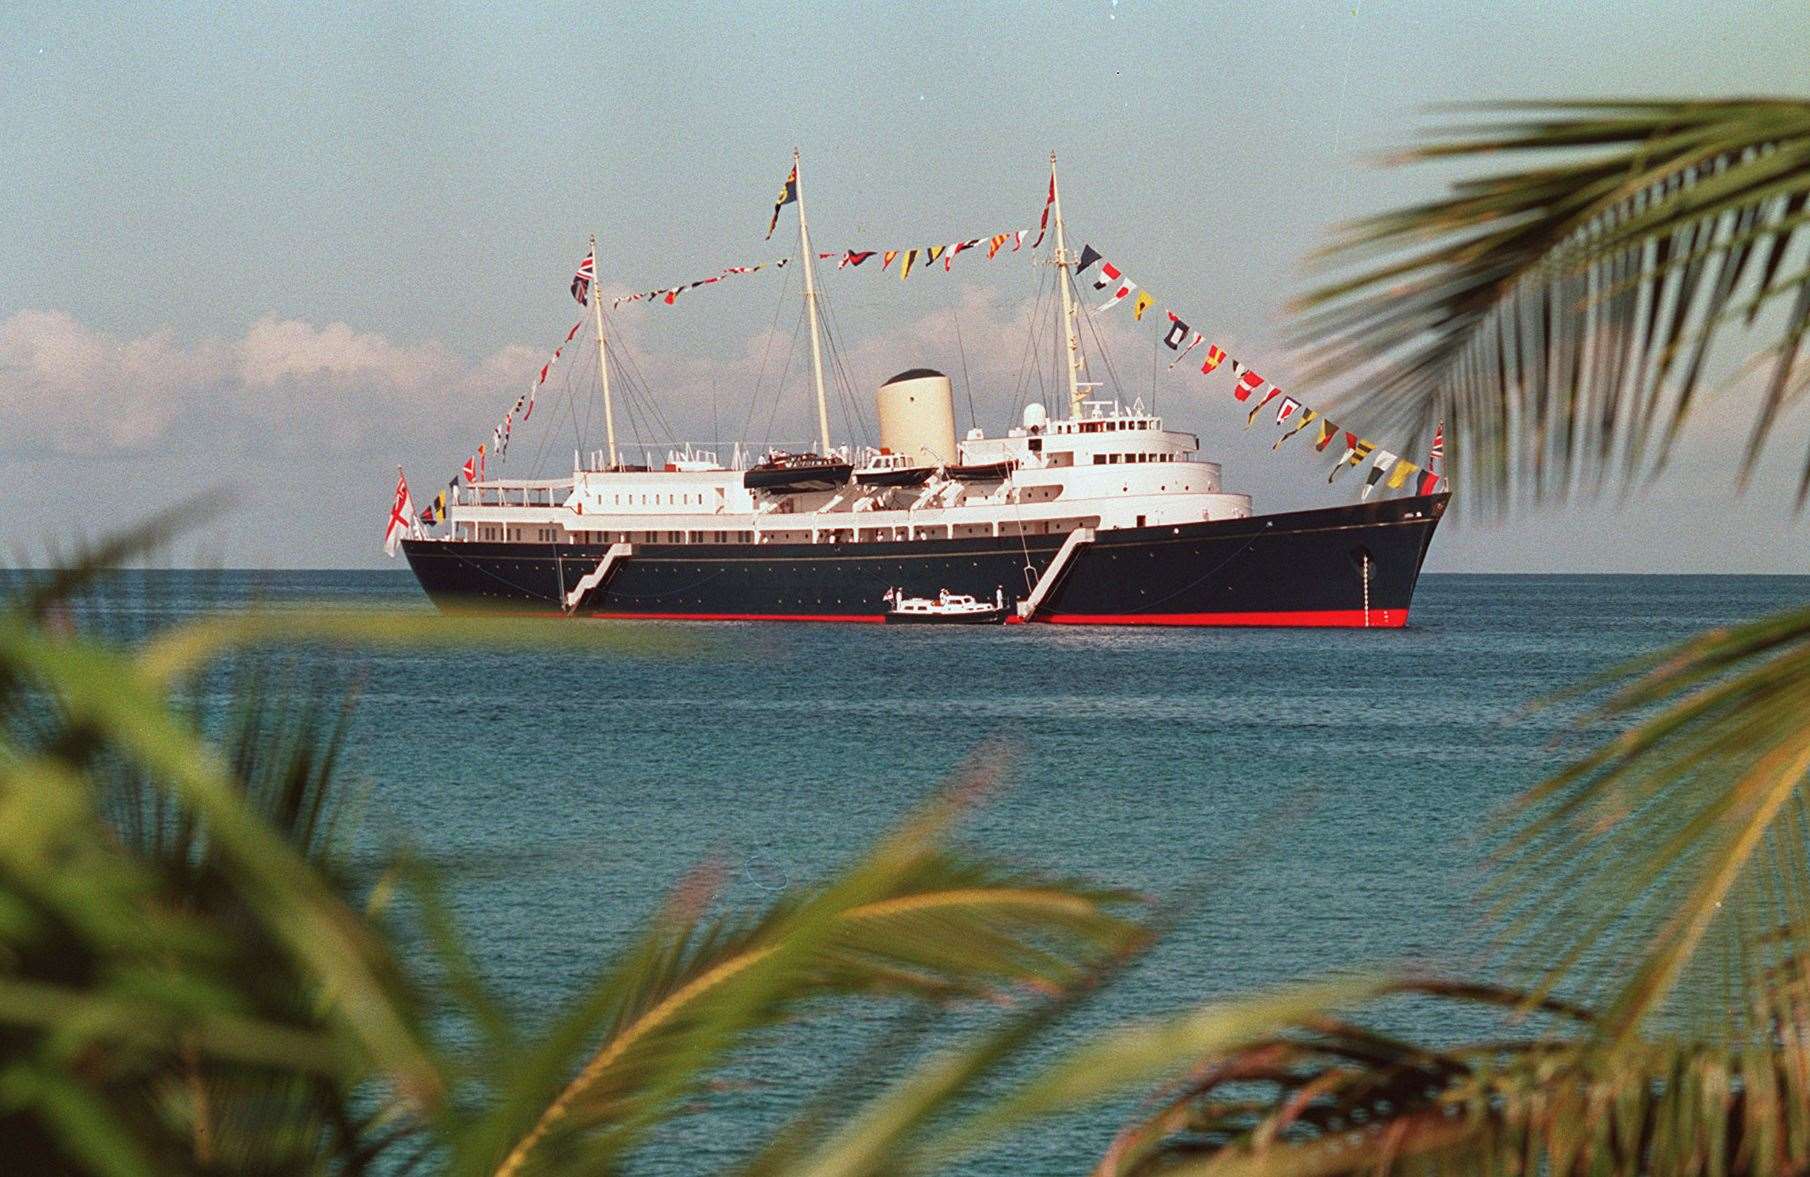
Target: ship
x: 1090, y: 512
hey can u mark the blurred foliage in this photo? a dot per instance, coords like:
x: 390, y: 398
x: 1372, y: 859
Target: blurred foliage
x: 191, y: 981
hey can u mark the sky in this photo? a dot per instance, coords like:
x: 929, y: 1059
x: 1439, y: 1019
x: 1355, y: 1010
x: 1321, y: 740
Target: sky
x: 257, y: 256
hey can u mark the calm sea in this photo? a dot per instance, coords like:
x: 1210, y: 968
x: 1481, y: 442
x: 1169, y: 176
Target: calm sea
x: 1320, y: 791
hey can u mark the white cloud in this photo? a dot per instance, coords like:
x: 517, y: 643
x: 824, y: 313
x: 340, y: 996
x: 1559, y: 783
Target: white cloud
x: 68, y: 388
x: 275, y: 351
x: 287, y: 386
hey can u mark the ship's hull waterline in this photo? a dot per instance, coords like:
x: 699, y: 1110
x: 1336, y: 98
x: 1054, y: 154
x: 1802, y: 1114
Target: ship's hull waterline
x: 1304, y: 568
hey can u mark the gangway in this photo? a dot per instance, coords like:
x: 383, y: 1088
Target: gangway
x: 1065, y: 555
x: 589, y: 581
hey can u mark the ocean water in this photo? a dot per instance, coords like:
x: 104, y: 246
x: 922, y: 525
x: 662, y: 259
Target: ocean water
x: 1319, y: 794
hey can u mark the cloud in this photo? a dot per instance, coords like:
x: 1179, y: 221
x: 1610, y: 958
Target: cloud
x: 287, y: 387
x: 68, y: 388
x: 274, y: 351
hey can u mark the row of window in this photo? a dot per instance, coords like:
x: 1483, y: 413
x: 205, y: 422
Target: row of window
x: 548, y: 535
x: 1115, y: 459
x: 657, y: 500
x: 1111, y: 426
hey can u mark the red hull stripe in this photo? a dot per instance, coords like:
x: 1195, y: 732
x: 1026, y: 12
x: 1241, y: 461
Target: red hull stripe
x: 1306, y: 619
x: 1310, y: 618
x: 859, y: 618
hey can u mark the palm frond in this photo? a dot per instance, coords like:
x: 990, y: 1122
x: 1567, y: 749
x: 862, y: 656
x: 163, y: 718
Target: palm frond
x: 910, y: 919
x: 1669, y: 869
x: 183, y: 649
x: 1559, y: 318
x: 917, y: 1125
x: 105, y: 693
x: 1331, y: 1097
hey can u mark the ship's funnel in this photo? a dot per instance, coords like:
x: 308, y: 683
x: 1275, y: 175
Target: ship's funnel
x: 917, y: 416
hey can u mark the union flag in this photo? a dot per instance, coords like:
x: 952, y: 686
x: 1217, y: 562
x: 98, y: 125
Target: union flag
x: 584, y: 276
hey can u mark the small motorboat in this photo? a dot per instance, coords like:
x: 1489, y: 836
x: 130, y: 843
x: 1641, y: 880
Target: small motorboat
x: 783, y: 473
x: 946, y: 608
x: 887, y: 469
x: 981, y: 471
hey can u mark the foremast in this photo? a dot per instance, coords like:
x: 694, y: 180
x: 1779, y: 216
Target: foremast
x: 1071, y: 333
x: 810, y: 306
x: 603, y: 357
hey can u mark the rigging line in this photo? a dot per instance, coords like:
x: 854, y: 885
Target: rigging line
x: 838, y: 358
x: 636, y: 408
x: 534, y: 388
x: 640, y: 387
x: 1033, y: 356
x: 851, y: 403
x: 961, y: 350
x: 852, y: 389
x: 579, y: 392
x: 760, y: 378
x: 1105, y: 355
x: 779, y: 386
x: 572, y: 408
x: 646, y: 422
x: 838, y: 377
x: 1021, y: 381
x: 545, y: 436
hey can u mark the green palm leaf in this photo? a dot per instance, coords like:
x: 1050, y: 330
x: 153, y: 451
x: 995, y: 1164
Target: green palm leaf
x: 908, y: 1128
x: 1559, y: 318
x: 909, y: 920
x: 1670, y: 867
x: 1326, y: 1096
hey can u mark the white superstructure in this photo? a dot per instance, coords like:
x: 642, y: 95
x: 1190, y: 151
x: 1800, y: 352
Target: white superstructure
x: 1101, y: 468
x: 1110, y: 468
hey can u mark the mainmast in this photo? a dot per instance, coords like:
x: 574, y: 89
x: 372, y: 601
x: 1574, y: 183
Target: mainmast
x: 603, y: 356
x: 810, y: 306
x: 1071, y: 334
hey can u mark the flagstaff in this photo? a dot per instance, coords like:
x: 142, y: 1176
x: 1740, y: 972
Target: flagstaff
x: 1071, y: 337
x: 603, y: 359
x: 810, y: 303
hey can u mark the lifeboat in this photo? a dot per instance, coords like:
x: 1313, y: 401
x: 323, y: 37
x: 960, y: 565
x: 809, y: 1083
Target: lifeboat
x: 783, y: 473
x: 887, y: 469
x: 981, y: 471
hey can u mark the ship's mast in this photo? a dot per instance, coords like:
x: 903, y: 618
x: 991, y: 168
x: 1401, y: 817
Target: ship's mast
x: 603, y: 356
x: 810, y: 306
x: 1071, y: 334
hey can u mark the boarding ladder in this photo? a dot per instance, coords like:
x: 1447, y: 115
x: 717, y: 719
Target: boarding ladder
x: 596, y: 576
x: 1065, y: 555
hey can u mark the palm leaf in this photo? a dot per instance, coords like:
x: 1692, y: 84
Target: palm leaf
x: 1359, y: 1105
x: 1327, y: 1096
x: 105, y: 692
x: 908, y: 1128
x: 1560, y: 317
x: 910, y: 919
x: 1669, y: 868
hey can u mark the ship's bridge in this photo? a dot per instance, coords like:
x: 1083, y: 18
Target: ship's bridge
x: 1108, y: 436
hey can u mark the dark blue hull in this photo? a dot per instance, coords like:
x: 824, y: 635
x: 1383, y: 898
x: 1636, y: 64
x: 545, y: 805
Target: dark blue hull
x: 1302, y: 568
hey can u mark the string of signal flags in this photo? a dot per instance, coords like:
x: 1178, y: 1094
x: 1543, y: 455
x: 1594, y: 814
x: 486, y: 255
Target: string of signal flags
x: 918, y: 258
x: 1292, y: 416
